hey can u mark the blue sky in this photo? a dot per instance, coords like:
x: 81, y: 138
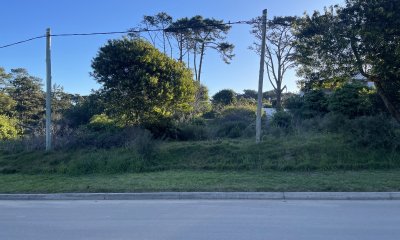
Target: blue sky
x: 71, y: 56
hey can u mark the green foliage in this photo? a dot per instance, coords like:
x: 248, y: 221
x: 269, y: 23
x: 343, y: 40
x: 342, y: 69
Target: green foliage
x: 195, y: 130
x: 351, y: 100
x: 282, y: 119
x: 235, y: 121
x: 286, y: 153
x: 315, y: 103
x: 359, y: 38
x: 140, y: 83
x: 202, y: 103
x: 28, y: 95
x: 84, y: 109
x: 8, y: 128
x: 224, y: 97
x: 101, y: 122
x: 294, y: 104
x: 375, y: 132
x: 241, y: 113
x: 197, y: 35
x: 7, y: 105
x: 249, y: 94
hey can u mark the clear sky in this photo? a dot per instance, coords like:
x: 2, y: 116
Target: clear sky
x: 71, y: 56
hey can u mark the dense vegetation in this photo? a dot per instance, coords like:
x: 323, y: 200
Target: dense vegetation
x: 151, y: 112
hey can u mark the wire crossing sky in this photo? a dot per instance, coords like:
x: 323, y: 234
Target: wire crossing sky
x: 125, y: 32
x: 71, y: 57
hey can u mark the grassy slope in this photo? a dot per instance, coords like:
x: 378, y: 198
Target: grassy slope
x: 300, y: 153
x: 300, y: 163
x: 388, y: 180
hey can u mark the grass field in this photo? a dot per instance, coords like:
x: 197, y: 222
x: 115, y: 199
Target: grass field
x: 388, y: 180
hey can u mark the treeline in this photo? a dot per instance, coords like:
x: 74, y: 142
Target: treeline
x: 151, y: 84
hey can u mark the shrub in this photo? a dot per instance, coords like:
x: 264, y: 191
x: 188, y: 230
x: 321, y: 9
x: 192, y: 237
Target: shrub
x: 294, y: 104
x: 333, y: 122
x: 143, y: 143
x: 101, y: 122
x: 315, y: 104
x: 86, y: 137
x: 8, y: 128
x: 234, y: 121
x: 192, y: 132
x: 352, y: 100
x: 282, y: 119
x: 231, y: 129
x: 244, y: 113
x: 224, y: 97
x: 374, y: 131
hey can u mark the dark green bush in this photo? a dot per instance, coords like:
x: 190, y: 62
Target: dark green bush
x: 231, y: 129
x: 282, y: 119
x: 234, y: 121
x: 193, y: 132
x: 374, y: 131
x: 315, y: 104
x: 295, y: 105
x: 143, y: 143
x: 333, y: 122
x: 224, y: 97
x: 352, y: 100
x: 238, y: 113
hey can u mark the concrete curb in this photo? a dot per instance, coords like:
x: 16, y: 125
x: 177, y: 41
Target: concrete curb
x: 209, y: 196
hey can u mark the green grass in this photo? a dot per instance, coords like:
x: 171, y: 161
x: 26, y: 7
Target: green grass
x: 323, y: 152
x: 382, y: 180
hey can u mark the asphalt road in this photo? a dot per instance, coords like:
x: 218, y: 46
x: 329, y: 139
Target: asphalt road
x: 200, y: 219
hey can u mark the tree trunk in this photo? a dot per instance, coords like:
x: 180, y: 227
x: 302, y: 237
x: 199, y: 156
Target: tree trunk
x: 180, y: 44
x: 278, y: 92
x: 195, y: 62
x: 389, y: 105
x: 278, y: 100
x: 201, y: 60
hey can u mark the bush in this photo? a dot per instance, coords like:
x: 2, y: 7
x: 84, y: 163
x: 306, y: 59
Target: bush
x: 143, y: 143
x: 224, y: 97
x: 245, y: 113
x: 375, y: 132
x: 294, y: 104
x: 101, y: 122
x: 234, y: 121
x: 352, y: 100
x: 8, y: 128
x: 315, y: 104
x: 192, y: 132
x: 282, y: 119
x: 333, y: 122
x: 231, y: 129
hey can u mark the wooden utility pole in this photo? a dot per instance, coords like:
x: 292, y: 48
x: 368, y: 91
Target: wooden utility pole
x: 261, y: 78
x: 48, y: 90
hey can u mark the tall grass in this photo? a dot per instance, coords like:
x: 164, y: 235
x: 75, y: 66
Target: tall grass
x: 321, y: 151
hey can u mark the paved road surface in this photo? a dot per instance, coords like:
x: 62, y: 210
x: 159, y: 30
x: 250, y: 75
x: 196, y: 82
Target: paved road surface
x: 193, y: 220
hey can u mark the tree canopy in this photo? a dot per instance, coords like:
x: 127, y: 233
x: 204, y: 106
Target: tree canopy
x: 193, y: 37
x: 140, y: 83
x: 361, y: 37
x: 224, y: 97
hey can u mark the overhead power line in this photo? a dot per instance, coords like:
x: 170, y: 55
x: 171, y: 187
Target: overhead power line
x: 130, y: 31
x: 23, y: 41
